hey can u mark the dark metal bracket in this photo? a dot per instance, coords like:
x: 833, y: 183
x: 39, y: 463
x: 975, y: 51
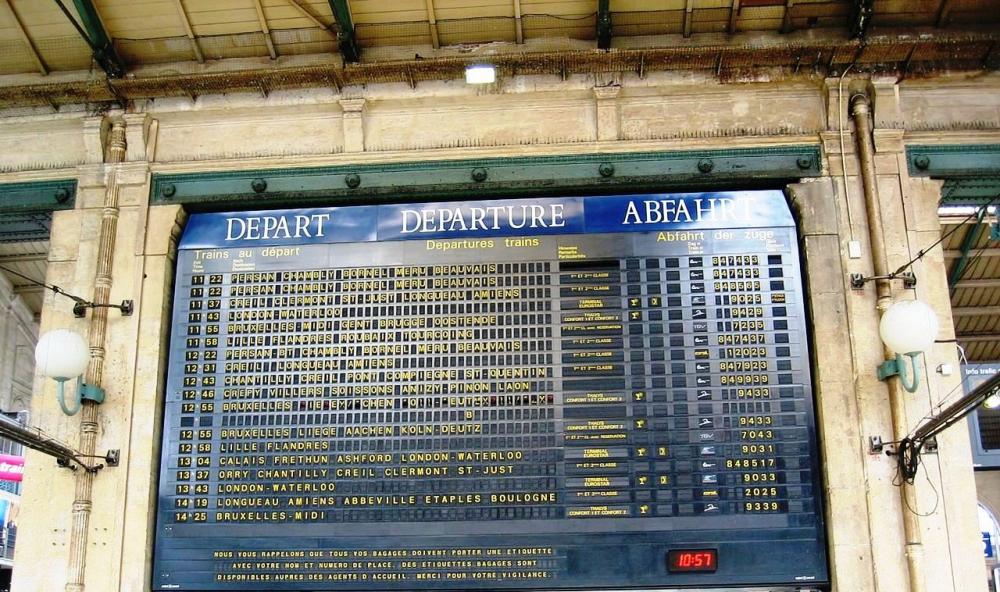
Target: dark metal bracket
x: 111, y: 459
x: 858, y: 280
x: 81, y: 306
x: 877, y: 446
x: 604, y: 30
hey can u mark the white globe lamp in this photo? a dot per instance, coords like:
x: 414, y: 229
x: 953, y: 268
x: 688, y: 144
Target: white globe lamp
x: 63, y: 355
x: 907, y: 328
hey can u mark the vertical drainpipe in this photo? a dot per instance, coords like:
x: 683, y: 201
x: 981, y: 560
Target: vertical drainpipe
x: 83, y: 500
x: 860, y: 110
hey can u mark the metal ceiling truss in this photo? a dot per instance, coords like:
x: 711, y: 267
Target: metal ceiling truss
x: 944, y: 13
x: 92, y: 30
x: 518, y: 25
x: 26, y: 227
x: 861, y: 19
x: 972, y: 178
x: 972, y: 191
x: 349, y: 48
x: 688, y: 13
x: 22, y: 32
x: 989, y: 252
x: 432, y: 24
x: 786, y: 19
x: 265, y: 29
x: 604, y: 24
x: 978, y: 337
x: 25, y: 258
x: 195, y: 47
x: 972, y: 236
x: 976, y: 311
x: 979, y: 283
x: 305, y: 11
x: 26, y: 208
x: 29, y: 289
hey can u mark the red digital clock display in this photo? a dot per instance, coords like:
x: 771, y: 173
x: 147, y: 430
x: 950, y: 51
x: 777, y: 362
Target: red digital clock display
x: 684, y: 560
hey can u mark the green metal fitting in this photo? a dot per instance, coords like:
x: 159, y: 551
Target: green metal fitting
x: 92, y: 393
x: 507, y: 177
x: 897, y: 367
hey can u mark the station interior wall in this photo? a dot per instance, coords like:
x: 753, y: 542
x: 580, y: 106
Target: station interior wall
x: 517, y: 118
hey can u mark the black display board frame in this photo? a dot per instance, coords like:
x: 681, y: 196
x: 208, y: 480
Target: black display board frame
x: 752, y: 550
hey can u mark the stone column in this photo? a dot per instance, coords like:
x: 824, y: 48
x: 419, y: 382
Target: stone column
x: 18, y: 335
x: 140, y: 132
x: 7, y: 342
x: 864, y: 513
x: 838, y: 410
x: 155, y: 254
x: 354, y: 124
x: 864, y: 506
x: 122, y: 521
x: 945, y: 486
x: 48, y: 491
x: 608, y: 120
x: 95, y: 131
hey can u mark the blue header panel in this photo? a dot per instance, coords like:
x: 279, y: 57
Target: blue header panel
x: 444, y: 220
x: 481, y: 218
x: 281, y: 227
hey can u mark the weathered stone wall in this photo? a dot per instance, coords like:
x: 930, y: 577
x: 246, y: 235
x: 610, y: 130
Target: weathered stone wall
x: 18, y: 334
x: 988, y: 484
x: 520, y: 117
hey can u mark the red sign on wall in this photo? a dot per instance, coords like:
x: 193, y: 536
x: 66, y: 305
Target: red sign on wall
x: 11, y: 467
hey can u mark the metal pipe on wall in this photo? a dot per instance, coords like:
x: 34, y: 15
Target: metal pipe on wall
x: 83, y: 498
x: 860, y: 111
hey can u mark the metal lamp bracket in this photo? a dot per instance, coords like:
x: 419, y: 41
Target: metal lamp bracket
x: 111, y: 459
x: 85, y: 392
x: 90, y: 392
x: 81, y: 306
x: 877, y: 446
x: 858, y: 280
x: 897, y: 367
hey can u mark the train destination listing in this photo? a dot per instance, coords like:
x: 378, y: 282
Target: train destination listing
x: 509, y: 394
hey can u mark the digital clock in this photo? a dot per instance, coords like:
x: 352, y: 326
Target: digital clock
x: 687, y: 560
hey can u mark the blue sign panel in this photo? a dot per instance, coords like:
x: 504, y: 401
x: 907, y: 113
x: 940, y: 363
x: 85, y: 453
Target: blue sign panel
x: 987, y: 545
x: 477, y: 219
x: 280, y: 227
x: 515, y: 217
x: 680, y: 211
x: 552, y: 394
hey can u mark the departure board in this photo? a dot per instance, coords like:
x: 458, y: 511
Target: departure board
x: 569, y: 393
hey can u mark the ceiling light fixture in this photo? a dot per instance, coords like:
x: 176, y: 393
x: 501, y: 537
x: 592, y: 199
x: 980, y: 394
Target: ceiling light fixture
x: 480, y: 74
